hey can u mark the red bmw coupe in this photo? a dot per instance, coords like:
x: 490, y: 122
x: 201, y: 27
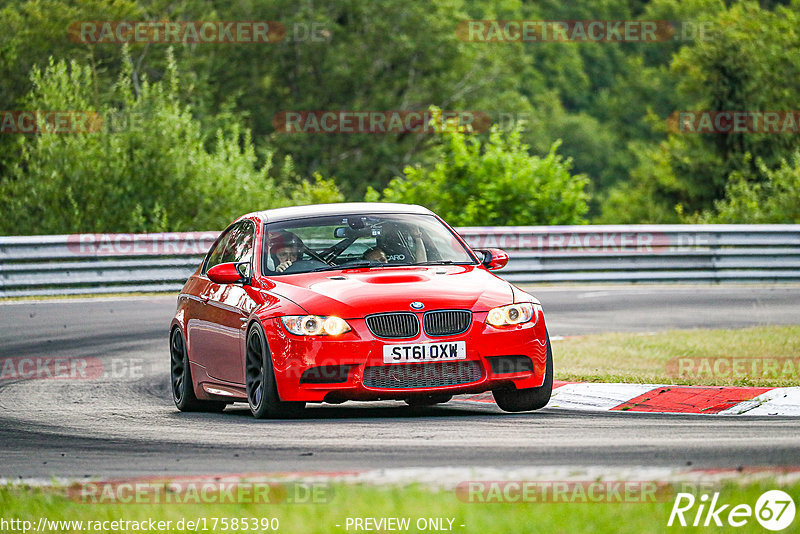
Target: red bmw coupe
x: 358, y: 301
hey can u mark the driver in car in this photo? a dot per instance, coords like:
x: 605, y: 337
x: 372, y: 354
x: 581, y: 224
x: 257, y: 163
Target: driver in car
x: 285, y: 248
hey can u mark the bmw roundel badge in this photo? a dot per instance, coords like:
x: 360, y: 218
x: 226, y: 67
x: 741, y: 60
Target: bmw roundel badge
x: 417, y: 305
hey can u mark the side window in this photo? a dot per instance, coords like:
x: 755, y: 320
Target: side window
x: 239, y: 246
x: 235, y: 246
x: 215, y: 257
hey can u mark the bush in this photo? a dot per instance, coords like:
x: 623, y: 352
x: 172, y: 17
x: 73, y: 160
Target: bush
x: 497, y: 182
x: 150, y: 171
x: 776, y: 199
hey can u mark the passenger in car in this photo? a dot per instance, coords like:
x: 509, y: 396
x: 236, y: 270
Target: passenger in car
x: 394, y: 241
x: 376, y: 254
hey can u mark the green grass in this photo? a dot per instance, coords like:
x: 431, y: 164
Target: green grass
x: 414, y: 502
x: 645, y: 358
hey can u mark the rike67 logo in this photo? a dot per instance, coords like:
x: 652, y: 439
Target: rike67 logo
x: 774, y: 510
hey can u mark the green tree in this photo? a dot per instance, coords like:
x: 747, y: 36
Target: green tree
x: 496, y: 182
x: 606, y: 102
x: 147, y: 170
x: 748, y: 62
x: 774, y: 199
x: 363, y: 56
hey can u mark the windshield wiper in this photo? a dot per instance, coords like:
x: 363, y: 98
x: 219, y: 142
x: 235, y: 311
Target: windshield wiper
x: 424, y: 263
x: 368, y: 263
x: 350, y: 265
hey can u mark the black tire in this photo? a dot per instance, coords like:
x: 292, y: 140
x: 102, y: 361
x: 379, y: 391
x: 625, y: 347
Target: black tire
x: 524, y: 400
x: 428, y: 400
x: 262, y: 392
x: 181, y: 379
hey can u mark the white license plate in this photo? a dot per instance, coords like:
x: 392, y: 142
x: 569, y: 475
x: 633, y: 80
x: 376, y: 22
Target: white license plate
x: 425, y: 352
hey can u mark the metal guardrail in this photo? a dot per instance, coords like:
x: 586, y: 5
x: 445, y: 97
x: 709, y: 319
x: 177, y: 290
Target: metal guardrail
x: 103, y: 263
x: 645, y: 253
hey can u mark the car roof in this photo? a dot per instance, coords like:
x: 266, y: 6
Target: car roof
x: 342, y: 208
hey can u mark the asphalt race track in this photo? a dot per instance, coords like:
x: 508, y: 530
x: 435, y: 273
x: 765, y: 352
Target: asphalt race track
x: 125, y: 424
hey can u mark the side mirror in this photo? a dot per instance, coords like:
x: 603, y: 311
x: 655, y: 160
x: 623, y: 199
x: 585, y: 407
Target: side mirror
x: 230, y: 273
x: 493, y: 258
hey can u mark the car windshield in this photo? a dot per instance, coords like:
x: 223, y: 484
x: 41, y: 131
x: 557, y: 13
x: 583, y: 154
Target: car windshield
x: 359, y: 240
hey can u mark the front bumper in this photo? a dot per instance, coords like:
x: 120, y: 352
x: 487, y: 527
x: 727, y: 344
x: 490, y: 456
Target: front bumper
x: 350, y: 366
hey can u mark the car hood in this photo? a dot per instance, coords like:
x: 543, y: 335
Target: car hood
x: 354, y: 293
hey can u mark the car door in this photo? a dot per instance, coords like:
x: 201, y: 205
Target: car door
x: 197, y: 296
x: 218, y: 335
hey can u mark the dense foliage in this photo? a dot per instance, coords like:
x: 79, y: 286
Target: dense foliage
x: 580, y: 128
x: 147, y: 170
x: 493, y: 183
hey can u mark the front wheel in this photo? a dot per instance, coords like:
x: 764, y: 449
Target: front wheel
x: 523, y: 400
x: 181, y: 379
x: 262, y: 391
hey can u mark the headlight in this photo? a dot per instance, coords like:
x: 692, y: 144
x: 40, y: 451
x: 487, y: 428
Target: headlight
x: 315, y: 325
x: 514, y: 314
